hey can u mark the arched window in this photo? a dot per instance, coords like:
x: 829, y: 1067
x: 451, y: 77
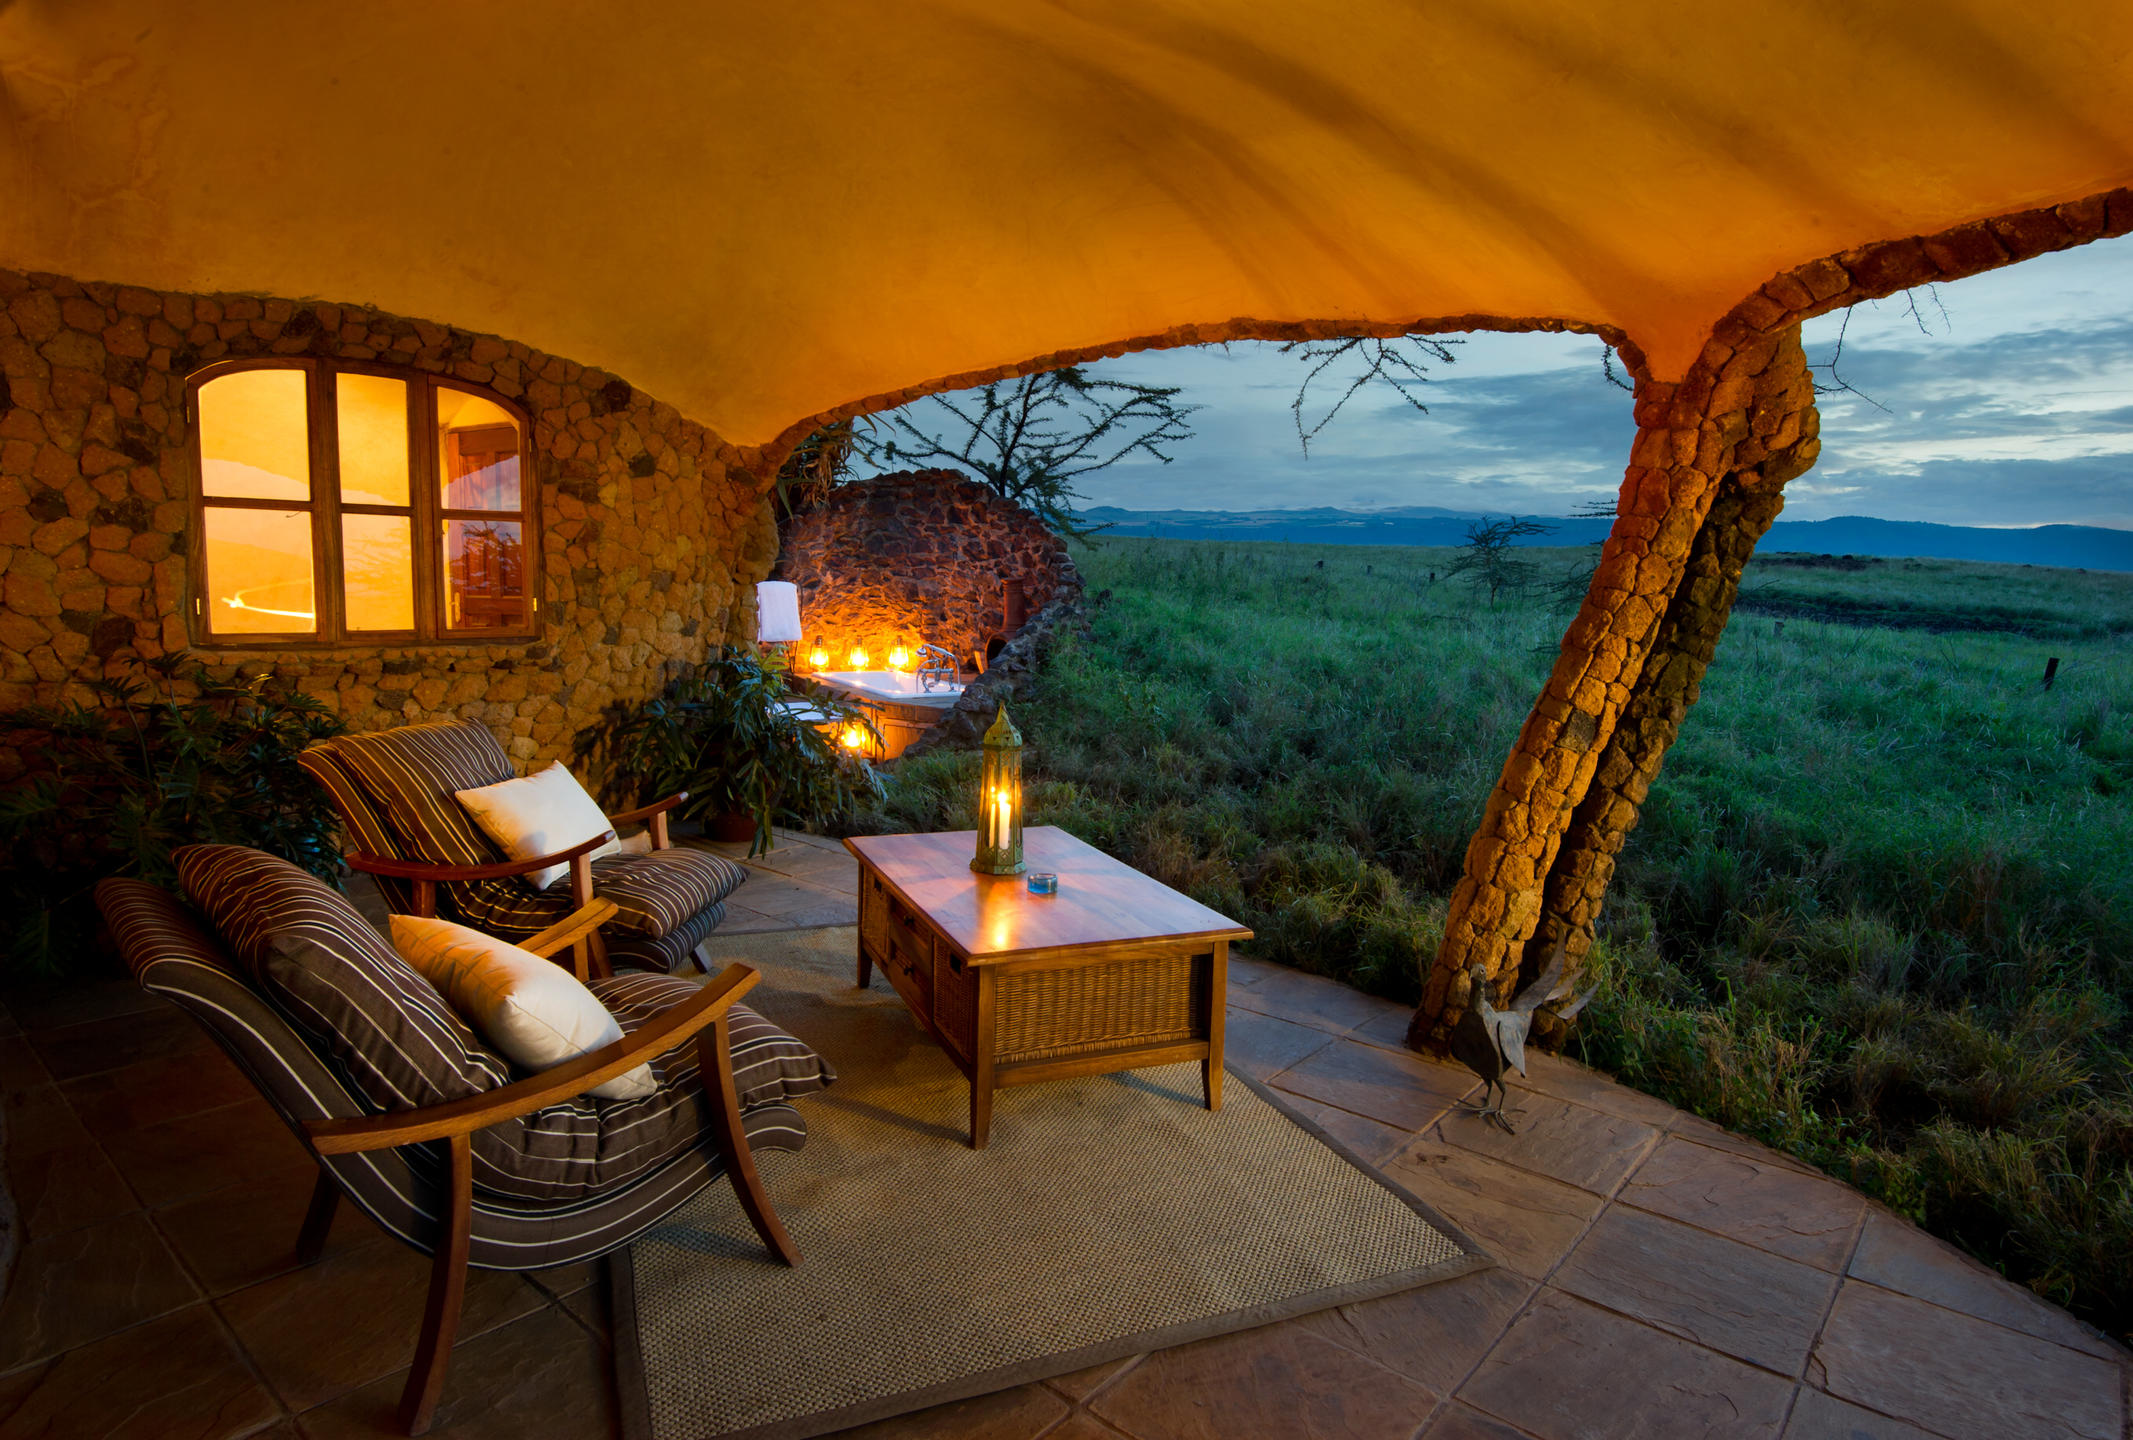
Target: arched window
x: 347, y: 504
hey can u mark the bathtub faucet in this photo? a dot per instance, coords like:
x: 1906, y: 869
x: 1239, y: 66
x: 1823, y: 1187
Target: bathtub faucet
x: 936, y: 667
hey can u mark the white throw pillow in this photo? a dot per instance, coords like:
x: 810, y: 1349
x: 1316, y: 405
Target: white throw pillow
x: 532, y: 1011
x: 539, y: 815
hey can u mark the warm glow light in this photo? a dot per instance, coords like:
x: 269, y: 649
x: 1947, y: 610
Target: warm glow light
x: 855, y: 737
x: 818, y: 659
x: 859, y: 657
x: 899, y: 658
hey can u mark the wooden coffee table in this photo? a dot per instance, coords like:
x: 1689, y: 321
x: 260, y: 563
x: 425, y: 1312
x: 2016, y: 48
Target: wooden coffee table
x: 1115, y: 972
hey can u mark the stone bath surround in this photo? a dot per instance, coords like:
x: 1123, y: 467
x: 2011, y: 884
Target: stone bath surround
x: 654, y: 529
x: 917, y: 556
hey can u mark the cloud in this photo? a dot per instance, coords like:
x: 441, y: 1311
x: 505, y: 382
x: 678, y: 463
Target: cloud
x: 2016, y: 409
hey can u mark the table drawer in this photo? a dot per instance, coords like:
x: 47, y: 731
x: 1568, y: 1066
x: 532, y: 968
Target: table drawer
x: 1044, y: 1014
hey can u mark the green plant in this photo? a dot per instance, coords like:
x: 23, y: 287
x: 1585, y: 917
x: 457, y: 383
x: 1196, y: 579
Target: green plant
x: 112, y: 788
x: 728, y: 731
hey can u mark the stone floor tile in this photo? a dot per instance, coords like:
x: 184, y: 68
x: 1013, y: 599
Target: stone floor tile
x: 1372, y: 1141
x: 87, y: 1283
x: 570, y: 1279
x: 1460, y: 1422
x: 1816, y: 1416
x: 72, y: 1051
x: 182, y: 1158
x: 20, y: 1069
x: 51, y: 1004
x: 1273, y: 1383
x: 1312, y: 1000
x: 1566, y: 1079
x: 740, y: 920
x: 1897, y: 1255
x: 1081, y: 1425
x: 1787, y: 1212
x: 1964, y: 1378
x: 1259, y: 1045
x: 540, y: 1376
x: 302, y: 1329
x: 9, y: 1025
x: 1245, y: 972
x: 177, y: 1378
x: 1718, y: 1137
x: 152, y: 1092
x: 1586, y: 1148
x: 1747, y: 1303
x: 832, y: 869
x: 1434, y: 1335
x: 1387, y: 1028
x: 1526, y: 1221
x: 245, y: 1233
x: 1570, y: 1369
x: 62, y: 1188
x: 800, y: 906
x: 1018, y: 1414
x: 593, y: 1308
x: 1404, y: 1091
x: 1081, y: 1384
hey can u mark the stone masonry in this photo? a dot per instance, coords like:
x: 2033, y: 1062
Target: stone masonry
x: 1706, y: 472
x: 655, y: 530
x: 917, y: 556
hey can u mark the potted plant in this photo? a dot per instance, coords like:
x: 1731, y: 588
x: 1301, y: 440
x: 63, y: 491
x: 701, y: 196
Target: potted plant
x: 748, y: 749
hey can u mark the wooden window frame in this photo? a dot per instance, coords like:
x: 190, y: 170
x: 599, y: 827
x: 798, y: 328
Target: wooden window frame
x: 425, y: 511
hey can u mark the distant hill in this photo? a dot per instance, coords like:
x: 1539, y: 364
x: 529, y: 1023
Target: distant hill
x: 2086, y: 547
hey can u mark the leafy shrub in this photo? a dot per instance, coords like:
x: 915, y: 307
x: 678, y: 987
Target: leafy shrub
x: 112, y: 788
x: 726, y: 731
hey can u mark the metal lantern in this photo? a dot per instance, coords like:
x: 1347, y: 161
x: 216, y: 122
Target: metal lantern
x: 1000, y: 801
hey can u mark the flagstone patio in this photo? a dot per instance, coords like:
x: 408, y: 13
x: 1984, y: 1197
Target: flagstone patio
x: 1659, y: 1278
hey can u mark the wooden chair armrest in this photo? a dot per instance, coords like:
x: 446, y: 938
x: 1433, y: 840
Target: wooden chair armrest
x: 657, y: 807
x: 570, y: 929
x: 656, y: 813
x: 572, y: 1077
x: 502, y: 869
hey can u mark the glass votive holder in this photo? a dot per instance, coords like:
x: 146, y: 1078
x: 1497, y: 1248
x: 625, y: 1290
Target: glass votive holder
x: 1043, y: 882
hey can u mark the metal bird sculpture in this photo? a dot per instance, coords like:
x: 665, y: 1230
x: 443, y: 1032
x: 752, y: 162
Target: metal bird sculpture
x: 1489, y: 1041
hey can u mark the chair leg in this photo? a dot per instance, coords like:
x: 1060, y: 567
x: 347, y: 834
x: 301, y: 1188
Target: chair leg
x: 715, y: 1061
x: 325, y: 1200
x: 448, y: 1289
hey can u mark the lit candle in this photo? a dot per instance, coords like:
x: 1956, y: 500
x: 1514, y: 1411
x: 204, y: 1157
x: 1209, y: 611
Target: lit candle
x: 1000, y: 819
x: 818, y: 659
x: 859, y: 657
x: 899, y: 658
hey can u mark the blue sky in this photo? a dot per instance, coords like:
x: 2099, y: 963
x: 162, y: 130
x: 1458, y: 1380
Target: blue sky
x: 2016, y: 408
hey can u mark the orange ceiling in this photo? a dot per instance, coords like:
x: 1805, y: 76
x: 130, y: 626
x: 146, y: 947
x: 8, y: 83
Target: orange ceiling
x: 760, y: 212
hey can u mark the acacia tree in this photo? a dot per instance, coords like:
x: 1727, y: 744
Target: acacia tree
x: 1487, y: 559
x: 1350, y: 364
x: 1032, y: 437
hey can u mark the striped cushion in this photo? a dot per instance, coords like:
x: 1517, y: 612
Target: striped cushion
x: 414, y: 774
x: 363, y: 829
x: 309, y: 951
x: 768, y: 1064
x: 660, y: 891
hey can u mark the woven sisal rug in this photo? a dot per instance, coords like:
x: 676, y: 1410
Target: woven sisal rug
x: 1108, y: 1216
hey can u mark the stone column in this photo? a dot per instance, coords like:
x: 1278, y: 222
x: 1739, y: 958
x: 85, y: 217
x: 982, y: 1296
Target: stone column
x: 1735, y: 411
x: 1749, y: 499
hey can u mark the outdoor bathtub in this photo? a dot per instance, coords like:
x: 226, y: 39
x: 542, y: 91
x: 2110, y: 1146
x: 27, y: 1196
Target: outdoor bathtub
x: 890, y: 687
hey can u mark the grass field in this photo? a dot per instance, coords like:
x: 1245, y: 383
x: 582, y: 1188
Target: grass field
x: 1877, y: 913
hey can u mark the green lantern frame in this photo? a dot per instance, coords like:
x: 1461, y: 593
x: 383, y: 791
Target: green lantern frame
x: 1000, y: 800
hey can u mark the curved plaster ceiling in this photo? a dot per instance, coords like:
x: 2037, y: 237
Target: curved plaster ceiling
x: 760, y: 212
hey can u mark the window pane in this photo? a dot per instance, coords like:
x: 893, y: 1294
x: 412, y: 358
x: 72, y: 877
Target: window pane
x: 255, y: 436
x: 484, y: 575
x: 373, y: 416
x: 259, y: 572
x: 477, y: 452
x: 378, y: 571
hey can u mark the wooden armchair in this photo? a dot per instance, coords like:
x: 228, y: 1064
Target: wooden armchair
x: 396, y: 794
x: 704, y: 1019
x: 469, y: 1179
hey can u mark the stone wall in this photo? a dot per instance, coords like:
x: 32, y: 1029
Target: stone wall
x: 917, y: 556
x: 655, y: 530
